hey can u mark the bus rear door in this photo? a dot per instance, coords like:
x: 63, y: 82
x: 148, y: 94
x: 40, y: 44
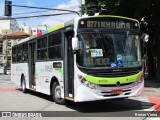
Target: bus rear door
x: 32, y: 57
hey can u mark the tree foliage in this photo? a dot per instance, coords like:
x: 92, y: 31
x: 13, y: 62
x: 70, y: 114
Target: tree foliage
x: 138, y: 9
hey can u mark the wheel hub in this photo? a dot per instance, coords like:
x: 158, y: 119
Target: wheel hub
x: 58, y: 92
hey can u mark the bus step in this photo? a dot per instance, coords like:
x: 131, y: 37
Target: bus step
x: 33, y: 89
x: 68, y: 98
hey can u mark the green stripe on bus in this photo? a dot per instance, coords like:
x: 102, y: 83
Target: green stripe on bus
x: 112, y: 16
x: 114, y: 80
x: 37, y: 72
x: 55, y: 28
x: 61, y: 72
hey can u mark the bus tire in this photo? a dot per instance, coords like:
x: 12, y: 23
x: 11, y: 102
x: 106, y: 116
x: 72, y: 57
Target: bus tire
x: 56, y: 94
x: 23, y: 85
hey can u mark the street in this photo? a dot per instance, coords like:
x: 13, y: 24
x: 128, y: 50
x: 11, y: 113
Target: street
x: 12, y: 99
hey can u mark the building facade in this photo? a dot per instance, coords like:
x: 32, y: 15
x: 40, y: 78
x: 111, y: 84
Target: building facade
x: 40, y: 28
x: 8, y: 24
x: 10, y: 33
x: 25, y: 28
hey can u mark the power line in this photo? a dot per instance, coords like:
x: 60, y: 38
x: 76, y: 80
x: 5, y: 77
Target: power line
x: 34, y: 12
x: 40, y: 16
x: 36, y: 16
x: 30, y: 12
x: 16, y: 14
x: 47, y: 8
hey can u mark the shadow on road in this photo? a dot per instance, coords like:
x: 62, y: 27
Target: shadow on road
x: 107, y: 106
x: 99, y: 106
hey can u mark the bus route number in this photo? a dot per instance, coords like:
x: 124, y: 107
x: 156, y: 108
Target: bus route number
x: 96, y: 53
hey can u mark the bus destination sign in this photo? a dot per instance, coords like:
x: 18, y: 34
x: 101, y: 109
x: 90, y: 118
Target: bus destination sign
x: 108, y: 24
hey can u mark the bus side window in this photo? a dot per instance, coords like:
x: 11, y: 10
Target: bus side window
x: 45, y: 55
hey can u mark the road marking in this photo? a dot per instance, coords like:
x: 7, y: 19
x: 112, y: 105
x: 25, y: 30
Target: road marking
x: 9, y: 90
x: 146, y: 104
x: 155, y: 101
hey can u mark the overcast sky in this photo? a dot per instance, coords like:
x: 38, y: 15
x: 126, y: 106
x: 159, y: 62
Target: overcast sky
x: 51, y: 21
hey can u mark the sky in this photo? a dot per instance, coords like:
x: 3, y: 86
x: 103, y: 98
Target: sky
x: 50, y: 21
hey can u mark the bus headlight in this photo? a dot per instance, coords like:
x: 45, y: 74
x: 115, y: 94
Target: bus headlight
x: 87, y: 83
x: 140, y: 80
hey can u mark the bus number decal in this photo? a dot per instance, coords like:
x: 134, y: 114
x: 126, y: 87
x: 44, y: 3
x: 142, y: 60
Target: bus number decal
x: 96, y: 53
x: 57, y: 65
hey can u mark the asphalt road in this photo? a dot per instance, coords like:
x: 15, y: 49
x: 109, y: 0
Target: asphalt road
x: 13, y: 100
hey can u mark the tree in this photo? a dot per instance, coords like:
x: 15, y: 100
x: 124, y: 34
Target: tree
x: 138, y: 9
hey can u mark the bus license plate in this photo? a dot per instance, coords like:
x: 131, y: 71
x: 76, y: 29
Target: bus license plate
x: 116, y: 92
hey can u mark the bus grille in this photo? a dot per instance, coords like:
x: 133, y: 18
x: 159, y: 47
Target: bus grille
x: 109, y: 93
x: 113, y: 85
x: 114, y: 74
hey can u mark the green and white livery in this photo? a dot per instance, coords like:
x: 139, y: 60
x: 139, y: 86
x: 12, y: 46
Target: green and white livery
x: 86, y: 59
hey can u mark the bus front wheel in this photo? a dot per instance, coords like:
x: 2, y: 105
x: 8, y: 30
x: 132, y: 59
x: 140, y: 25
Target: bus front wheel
x: 23, y: 85
x: 56, y: 93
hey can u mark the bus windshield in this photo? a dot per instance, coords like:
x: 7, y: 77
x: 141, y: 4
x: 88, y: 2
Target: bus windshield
x: 109, y: 50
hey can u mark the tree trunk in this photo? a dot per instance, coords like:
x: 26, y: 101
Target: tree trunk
x: 151, y: 65
x: 158, y: 58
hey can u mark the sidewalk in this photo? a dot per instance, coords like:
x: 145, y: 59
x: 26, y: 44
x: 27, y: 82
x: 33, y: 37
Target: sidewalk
x: 151, y: 84
x: 152, y: 92
x: 151, y: 88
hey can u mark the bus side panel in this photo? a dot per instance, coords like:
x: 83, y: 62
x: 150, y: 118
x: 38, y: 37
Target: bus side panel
x: 16, y: 72
x: 45, y: 71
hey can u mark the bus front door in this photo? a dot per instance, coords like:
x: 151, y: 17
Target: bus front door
x: 68, y: 65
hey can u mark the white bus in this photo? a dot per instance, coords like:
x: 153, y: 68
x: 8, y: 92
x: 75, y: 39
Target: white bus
x: 86, y: 59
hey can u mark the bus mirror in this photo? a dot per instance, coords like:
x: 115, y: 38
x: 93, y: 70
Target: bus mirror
x: 75, y: 44
x: 145, y: 37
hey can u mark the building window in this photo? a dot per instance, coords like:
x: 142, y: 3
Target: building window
x: 34, y: 31
x: 1, y: 47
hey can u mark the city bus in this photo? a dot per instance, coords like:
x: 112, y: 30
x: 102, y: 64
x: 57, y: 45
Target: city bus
x: 89, y: 58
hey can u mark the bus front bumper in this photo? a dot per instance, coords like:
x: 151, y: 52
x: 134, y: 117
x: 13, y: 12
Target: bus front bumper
x: 84, y: 93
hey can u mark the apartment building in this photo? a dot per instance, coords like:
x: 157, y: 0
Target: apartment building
x: 11, y: 32
x: 8, y: 24
x: 39, y: 28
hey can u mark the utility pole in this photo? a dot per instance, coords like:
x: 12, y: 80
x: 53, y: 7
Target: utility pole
x: 7, y: 12
x: 5, y: 38
x: 6, y: 63
x: 82, y: 7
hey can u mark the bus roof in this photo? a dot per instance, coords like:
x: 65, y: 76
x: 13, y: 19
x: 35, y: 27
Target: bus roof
x: 67, y: 24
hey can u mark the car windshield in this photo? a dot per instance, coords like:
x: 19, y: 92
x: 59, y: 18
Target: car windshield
x: 109, y: 50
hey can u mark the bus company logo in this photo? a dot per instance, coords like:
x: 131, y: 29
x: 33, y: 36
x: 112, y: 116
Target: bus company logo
x: 6, y: 114
x: 118, y: 83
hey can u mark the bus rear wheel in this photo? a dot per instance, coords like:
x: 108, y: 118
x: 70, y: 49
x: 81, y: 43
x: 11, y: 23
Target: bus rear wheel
x: 23, y: 85
x: 56, y: 93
